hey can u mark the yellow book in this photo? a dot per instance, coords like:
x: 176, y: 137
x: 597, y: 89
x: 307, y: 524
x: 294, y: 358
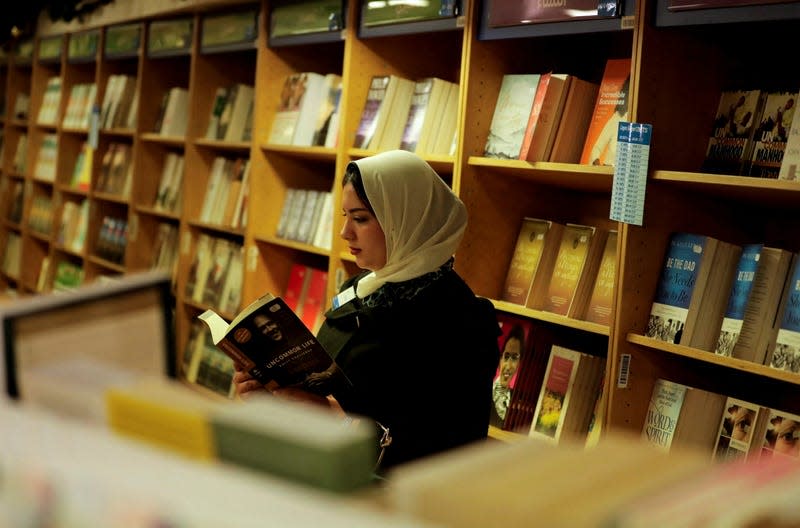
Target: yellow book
x: 164, y: 413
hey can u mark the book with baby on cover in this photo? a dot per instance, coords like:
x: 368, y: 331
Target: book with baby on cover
x: 271, y: 342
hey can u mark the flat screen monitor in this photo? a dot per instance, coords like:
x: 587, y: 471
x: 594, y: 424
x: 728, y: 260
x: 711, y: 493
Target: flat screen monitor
x: 125, y: 323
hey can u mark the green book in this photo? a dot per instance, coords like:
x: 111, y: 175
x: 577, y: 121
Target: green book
x: 297, y: 441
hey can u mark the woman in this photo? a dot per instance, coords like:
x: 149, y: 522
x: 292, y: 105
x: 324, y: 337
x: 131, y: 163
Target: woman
x: 418, y: 346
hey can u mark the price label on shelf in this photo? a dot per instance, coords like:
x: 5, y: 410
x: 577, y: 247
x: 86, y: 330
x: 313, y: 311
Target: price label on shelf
x: 630, y: 172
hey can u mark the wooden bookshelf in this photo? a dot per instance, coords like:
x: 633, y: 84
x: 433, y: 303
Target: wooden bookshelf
x: 678, y: 62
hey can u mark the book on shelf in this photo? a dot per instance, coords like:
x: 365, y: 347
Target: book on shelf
x: 323, y: 235
x: 790, y: 164
x: 545, y: 115
x: 601, y: 301
x: 239, y: 100
x: 169, y: 181
x: 218, y: 272
x: 784, y: 351
x: 218, y: 104
x: 205, y: 364
x: 392, y: 117
x: 165, y: 249
x: 274, y: 345
x: 514, y: 343
x: 771, y: 134
x: 231, y: 298
x: 781, y: 436
x: 327, y: 122
x: 424, y: 116
x: 739, y: 430
x: 692, y: 290
x: 566, y: 399
x: 574, y: 123
x: 611, y: 106
x: 306, y: 219
x: 175, y: 116
x: 200, y: 267
x: 295, y: 120
x: 296, y: 286
x: 751, y: 320
x: 295, y: 213
x: 731, y: 139
x: 679, y: 415
x: 596, y: 427
x: 82, y: 170
x: 444, y: 140
x: 51, y: 100
x: 289, y: 199
x: 538, y: 239
x: 512, y: 111
x: 312, y: 312
x: 574, y: 271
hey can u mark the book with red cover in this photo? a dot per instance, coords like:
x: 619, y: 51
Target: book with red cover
x: 514, y: 343
x: 611, y: 107
x: 313, y: 304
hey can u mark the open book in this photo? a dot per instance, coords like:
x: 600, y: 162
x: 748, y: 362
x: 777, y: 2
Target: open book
x: 271, y: 342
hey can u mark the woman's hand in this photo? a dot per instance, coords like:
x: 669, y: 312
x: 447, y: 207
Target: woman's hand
x: 246, y: 385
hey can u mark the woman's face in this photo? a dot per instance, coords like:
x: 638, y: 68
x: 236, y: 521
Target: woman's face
x: 509, y: 361
x: 362, y: 232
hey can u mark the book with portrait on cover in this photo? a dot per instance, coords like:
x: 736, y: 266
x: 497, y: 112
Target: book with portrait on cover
x: 271, y: 342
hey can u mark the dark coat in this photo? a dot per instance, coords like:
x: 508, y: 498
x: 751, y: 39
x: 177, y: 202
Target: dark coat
x: 423, y: 368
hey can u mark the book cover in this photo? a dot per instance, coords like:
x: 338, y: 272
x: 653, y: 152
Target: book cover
x: 534, y: 233
x: 601, y: 301
x: 741, y: 423
x: 234, y: 117
x: 562, y: 366
x: 611, y: 106
x: 511, y: 113
x: 514, y: 344
x: 663, y: 411
x: 315, y: 87
x: 373, y: 104
x: 737, y: 300
x: 420, y: 107
x: 313, y: 305
x: 782, y: 435
x: 536, y: 109
x: 785, y: 354
x: 567, y: 396
x: 731, y: 137
x: 392, y: 117
x: 574, y: 122
x: 790, y: 164
x: 443, y: 141
x: 574, y: 269
x: 692, y: 291
x: 544, y: 132
x: 296, y: 287
x: 772, y: 133
x: 288, y: 111
x: 329, y: 107
x: 272, y: 343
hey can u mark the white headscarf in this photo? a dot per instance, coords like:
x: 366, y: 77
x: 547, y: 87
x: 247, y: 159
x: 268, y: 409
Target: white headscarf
x: 422, y: 219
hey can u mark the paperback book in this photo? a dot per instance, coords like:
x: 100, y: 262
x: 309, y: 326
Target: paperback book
x: 271, y: 342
